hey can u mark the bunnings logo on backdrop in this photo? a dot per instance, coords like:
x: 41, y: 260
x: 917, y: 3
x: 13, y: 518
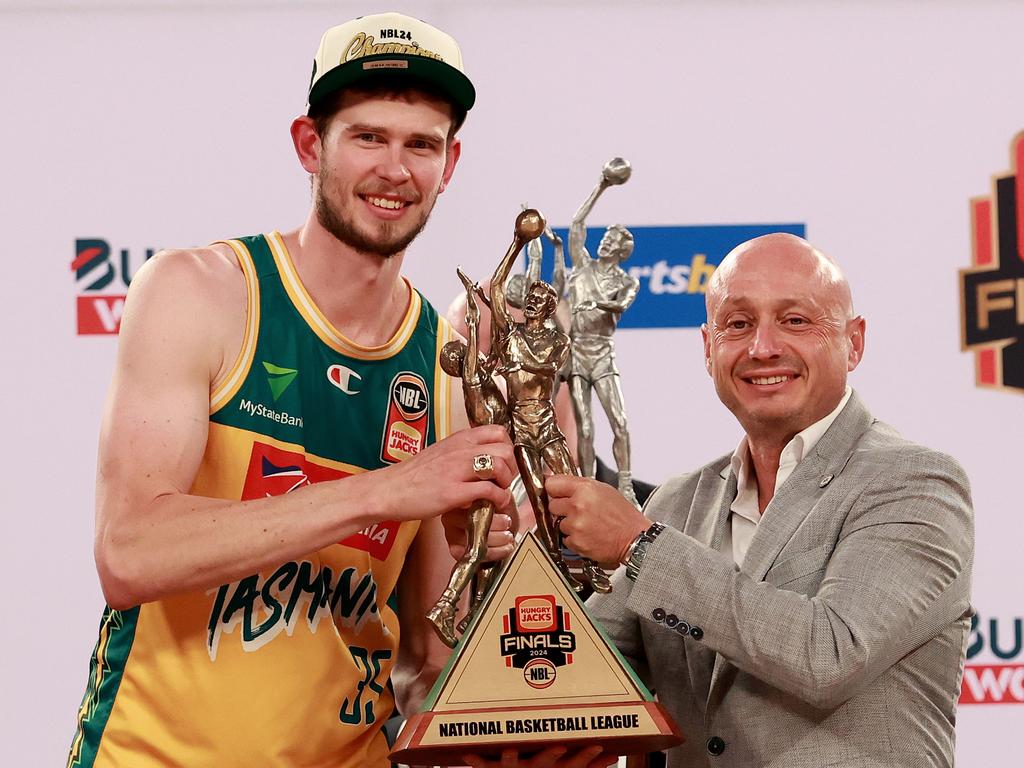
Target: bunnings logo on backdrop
x: 102, y: 277
x: 994, y: 673
x: 673, y: 265
x: 992, y: 289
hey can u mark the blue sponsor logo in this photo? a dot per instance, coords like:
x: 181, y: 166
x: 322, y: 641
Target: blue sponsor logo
x: 673, y: 265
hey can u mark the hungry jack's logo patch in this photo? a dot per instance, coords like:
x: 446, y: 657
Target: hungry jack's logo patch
x: 405, y: 430
x: 992, y: 289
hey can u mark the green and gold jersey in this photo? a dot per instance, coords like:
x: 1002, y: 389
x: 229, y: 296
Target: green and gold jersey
x: 288, y: 666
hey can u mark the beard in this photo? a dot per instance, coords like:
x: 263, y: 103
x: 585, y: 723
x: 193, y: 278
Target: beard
x: 385, y: 239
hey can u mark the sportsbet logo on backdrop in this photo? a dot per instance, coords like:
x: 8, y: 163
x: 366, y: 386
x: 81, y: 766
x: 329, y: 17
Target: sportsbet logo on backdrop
x: 102, y: 277
x: 992, y: 290
x: 673, y: 265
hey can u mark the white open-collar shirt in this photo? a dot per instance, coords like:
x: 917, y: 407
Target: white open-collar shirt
x: 745, y: 513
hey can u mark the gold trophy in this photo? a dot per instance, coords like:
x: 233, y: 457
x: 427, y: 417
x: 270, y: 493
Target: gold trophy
x: 531, y: 670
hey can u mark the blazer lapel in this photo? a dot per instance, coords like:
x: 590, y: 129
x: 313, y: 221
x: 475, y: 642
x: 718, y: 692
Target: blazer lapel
x: 804, y: 487
x: 715, y: 491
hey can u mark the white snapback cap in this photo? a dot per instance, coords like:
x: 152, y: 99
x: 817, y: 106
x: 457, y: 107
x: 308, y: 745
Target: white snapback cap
x: 389, y: 44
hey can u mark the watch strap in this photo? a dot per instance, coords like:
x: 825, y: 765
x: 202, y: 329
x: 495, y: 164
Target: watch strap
x: 638, y: 551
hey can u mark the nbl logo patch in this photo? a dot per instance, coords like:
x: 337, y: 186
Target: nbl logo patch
x: 405, y: 430
x: 537, y: 639
x: 992, y: 289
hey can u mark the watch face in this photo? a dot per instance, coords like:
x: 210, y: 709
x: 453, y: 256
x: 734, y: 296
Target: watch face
x: 628, y: 555
x: 639, y: 550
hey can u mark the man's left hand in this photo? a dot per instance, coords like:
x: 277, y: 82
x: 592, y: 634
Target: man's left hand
x: 596, y: 521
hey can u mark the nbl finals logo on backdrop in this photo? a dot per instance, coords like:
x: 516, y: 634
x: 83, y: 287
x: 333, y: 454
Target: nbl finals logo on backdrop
x: 673, y: 266
x: 102, y: 277
x: 992, y: 289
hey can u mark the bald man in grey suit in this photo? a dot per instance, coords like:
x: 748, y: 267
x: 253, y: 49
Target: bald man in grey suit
x: 804, y: 601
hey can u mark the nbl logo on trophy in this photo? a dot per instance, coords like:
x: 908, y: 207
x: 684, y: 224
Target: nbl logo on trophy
x: 992, y: 289
x: 537, y: 639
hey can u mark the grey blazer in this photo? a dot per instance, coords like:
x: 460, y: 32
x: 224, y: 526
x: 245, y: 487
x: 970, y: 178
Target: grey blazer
x: 840, y: 641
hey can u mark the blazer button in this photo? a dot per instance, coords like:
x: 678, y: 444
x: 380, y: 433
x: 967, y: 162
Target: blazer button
x: 715, y: 746
x: 696, y: 633
x: 683, y: 628
x: 671, y: 620
x: 658, y: 614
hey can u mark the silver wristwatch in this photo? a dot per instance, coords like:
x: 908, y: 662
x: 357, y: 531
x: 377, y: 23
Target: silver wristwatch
x: 637, y: 551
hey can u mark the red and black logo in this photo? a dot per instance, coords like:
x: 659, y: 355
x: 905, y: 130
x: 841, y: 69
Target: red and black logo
x: 274, y: 472
x: 994, y: 672
x: 537, y: 638
x: 102, y: 277
x: 405, y: 431
x: 992, y: 290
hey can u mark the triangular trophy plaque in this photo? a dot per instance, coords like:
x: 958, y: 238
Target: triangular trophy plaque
x: 533, y: 671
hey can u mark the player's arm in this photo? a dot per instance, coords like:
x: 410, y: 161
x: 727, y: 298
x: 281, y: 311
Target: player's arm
x: 534, y: 259
x: 558, y: 274
x: 578, y: 228
x: 501, y: 319
x: 183, y: 323
x: 623, y: 297
x: 471, y: 365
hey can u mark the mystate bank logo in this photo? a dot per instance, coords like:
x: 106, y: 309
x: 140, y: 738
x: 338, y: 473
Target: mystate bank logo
x: 994, y: 673
x: 102, y: 277
x: 992, y: 289
x: 673, y: 265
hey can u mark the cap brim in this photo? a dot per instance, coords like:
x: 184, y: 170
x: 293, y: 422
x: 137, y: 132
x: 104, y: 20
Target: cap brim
x: 441, y: 75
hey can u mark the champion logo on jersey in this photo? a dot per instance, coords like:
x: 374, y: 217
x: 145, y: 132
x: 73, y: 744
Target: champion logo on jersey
x: 344, y: 378
x: 279, y: 378
x: 405, y: 430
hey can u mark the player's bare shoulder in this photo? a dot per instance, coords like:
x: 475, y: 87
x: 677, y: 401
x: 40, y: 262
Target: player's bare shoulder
x: 194, y: 296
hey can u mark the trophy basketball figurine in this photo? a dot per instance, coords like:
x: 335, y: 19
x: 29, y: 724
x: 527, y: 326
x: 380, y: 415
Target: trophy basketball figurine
x: 529, y: 356
x: 532, y: 670
x: 599, y: 292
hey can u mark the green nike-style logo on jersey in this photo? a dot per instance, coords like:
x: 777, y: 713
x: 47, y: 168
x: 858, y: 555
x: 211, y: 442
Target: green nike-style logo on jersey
x: 279, y: 378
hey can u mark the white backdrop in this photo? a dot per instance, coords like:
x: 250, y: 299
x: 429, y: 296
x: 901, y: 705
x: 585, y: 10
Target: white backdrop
x: 156, y: 124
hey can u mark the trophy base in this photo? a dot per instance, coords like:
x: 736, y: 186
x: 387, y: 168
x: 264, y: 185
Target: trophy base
x: 533, y: 671
x: 444, y: 738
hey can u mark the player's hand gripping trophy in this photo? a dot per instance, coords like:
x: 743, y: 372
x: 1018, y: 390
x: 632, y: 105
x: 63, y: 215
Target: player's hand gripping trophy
x: 599, y: 292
